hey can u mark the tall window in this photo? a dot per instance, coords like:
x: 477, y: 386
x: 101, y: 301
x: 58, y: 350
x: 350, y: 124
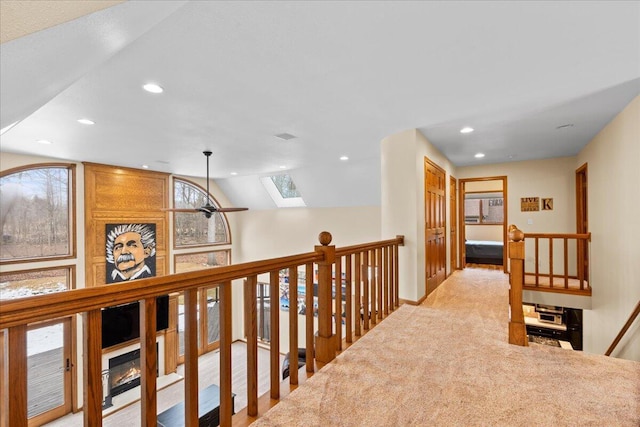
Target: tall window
x: 35, y: 213
x: 194, y: 229
x: 483, y: 208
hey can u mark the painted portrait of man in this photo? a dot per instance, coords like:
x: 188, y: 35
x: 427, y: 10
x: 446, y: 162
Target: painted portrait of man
x: 131, y: 250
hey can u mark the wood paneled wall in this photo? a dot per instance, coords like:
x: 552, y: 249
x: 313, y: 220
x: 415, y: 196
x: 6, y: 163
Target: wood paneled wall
x: 114, y: 195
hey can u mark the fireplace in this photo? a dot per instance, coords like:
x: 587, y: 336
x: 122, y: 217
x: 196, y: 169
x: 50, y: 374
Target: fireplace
x: 123, y: 374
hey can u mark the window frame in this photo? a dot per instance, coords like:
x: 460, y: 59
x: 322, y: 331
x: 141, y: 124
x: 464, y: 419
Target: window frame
x: 71, y: 203
x: 213, y: 200
x: 480, y: 199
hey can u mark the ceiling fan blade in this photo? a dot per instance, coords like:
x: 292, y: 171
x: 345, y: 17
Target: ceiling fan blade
x: 231, y: 209
x: 189, y: 210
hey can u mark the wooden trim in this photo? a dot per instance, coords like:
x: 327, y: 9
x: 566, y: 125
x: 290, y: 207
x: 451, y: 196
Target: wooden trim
x: 483, y: 191
x: 17, y: 376
x: 348, y: 300
x: 215, y: 203
x: 462, y: 184
x: 72, y: 224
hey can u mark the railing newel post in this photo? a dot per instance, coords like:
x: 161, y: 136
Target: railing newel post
x: 517, y: 328
x: 325, y: 341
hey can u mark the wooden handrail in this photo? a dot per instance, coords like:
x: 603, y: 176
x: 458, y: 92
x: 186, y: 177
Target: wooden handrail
x: 624, y: 329
x: 371, y: 301
x: 584, y: 236
x: 33, y: 309
x: 582, y: 240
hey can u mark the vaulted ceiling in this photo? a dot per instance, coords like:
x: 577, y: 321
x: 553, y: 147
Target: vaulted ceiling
x: 534, y: 79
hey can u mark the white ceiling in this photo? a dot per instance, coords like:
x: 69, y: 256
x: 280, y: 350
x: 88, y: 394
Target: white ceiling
x: 340, y: 76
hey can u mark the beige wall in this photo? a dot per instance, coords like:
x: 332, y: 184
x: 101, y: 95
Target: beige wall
x: 402, y: 204
x: 549, y: 178
x: 483, y: 232
x: 613, y: 159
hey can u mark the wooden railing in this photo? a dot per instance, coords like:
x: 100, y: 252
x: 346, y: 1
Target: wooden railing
x: 557, y: 278
x: 634, y: 314
x: 371, y: 293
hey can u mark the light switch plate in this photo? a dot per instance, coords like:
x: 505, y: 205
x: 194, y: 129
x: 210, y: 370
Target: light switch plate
x: 529, y: 221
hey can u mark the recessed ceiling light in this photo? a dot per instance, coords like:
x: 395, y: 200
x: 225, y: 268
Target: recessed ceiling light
x: 479, y: 155
x: 153, y: 88
x: 44, y: 141
x: 283, y: 167
x: 86, y: 122
x: 145, y: 166
x: 466, y: 129
x: 344, y: 158
x: 234, y: 173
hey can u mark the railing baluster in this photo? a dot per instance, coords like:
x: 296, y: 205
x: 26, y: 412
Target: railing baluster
x: 17, y: 376
x: 387, y: 282
x: 293, y: 325
x: 551, y: 262
x: 338, y: 304
x: 396, y: 274
x: 274, y: 334
x: 190, y: 357
x: 226, y: 338
x: 92, y: 360
x: 251, y: 328
x: 149, y: 362
x: 537, y: 261
x: 358, y: 319
x: 366, y: 303
x: 308, y: 301
x: 566, y: 263
x: 373, y: 285
x: 379, y: 283
x: 348, y: 302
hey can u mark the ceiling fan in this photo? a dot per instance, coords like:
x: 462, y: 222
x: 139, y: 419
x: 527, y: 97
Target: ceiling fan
x: 208, y: 209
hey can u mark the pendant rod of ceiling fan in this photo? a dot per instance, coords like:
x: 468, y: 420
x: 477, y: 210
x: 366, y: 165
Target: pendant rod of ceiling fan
x: 207, y: 153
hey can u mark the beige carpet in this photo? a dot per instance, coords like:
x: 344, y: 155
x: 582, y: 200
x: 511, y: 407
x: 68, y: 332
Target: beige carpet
x: 448, y: 363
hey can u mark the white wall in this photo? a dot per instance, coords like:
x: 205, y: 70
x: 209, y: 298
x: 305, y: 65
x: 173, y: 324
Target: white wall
x: 402, y: 204
x: 613, y: 159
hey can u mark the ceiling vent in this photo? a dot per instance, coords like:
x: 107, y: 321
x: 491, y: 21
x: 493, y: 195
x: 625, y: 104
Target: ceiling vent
x: 285, y: 136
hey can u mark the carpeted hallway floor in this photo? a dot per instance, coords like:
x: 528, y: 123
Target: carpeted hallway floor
x: 448, y: 363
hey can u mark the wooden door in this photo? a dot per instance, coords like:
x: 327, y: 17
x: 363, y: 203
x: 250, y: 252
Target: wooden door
x: 49, y: 368
x: 453, y: 224
x: 582, y: 225
x: 435, y: 222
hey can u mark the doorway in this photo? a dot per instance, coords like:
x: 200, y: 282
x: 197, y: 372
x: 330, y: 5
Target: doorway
x: 49, y: 368
x: 483, y: 234
x: 582, y: 217
x: 208, y: 315
x: 435, y: 225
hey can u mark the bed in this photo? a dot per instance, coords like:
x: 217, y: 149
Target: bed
x: 484, y: 252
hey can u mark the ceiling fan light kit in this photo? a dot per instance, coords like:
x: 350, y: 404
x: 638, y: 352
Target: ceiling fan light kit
x: 208, y: 209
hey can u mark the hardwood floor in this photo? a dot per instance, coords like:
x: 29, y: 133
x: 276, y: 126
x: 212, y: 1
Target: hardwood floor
x: 484, y: 266
x: 209, y: 373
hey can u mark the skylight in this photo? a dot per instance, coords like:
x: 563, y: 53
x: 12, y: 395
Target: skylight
x: 283, y: 191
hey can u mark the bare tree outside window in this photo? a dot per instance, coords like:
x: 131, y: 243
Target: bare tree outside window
x: 192, y: 229
x: 35, y: 213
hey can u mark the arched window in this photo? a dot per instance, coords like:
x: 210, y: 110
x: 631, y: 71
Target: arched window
x: 36, y: 205
x: 194, y: 229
